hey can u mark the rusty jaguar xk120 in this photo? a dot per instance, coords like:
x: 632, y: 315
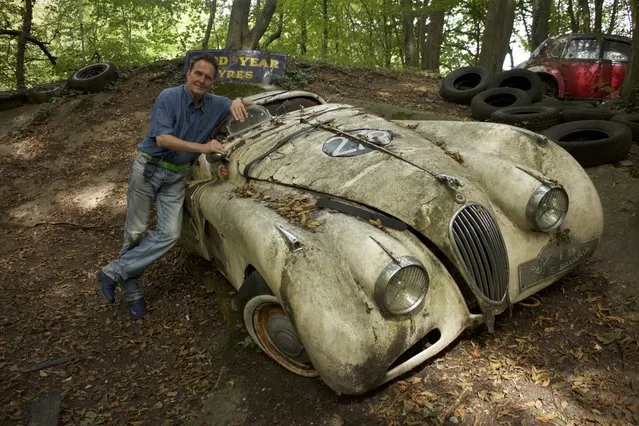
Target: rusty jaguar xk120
x: 360, y: 247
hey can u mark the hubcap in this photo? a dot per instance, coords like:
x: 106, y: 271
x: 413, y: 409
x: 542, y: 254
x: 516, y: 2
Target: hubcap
x: 274, y: 332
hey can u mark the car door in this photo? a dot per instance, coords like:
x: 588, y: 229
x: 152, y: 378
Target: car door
x: 581, y: 67
x: 615, y: 64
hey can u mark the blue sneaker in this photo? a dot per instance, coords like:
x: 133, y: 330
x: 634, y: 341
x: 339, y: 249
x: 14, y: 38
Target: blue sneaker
x: 137, y: 309
x: 107, y: 286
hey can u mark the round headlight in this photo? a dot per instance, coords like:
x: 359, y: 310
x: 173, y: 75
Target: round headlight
x: 402, y: 286
x: 547, y: 208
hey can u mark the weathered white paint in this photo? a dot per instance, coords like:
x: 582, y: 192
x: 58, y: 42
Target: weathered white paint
x: 327, y: 288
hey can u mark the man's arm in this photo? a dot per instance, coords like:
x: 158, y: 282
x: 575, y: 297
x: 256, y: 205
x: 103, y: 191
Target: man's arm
x: 168, y: 141
x: 176, y: 144
x: 236, y: 110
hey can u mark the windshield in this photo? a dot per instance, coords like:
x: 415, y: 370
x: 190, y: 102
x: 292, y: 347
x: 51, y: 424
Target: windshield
x: 257, y: 115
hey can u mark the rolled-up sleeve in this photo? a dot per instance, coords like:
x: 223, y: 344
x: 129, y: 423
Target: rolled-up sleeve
x: 162, y: 117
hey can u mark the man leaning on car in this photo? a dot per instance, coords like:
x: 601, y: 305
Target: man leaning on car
x: 182, y: 121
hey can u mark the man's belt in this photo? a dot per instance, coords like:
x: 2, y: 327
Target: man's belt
x: 178, y: 168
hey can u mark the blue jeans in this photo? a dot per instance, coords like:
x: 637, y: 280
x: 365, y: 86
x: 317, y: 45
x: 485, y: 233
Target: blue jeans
x: 139, y: 249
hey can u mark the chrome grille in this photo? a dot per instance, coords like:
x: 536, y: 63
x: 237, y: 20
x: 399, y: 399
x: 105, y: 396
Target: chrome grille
x: 481, y: 250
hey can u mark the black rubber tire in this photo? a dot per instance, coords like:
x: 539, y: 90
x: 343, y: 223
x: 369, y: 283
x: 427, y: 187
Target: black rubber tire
x: 489, y: 101
x: 519, y: 78
x: 629, y: 119
x: 592, y: 142
x: 462, y: 84
x: 531, y: 117
x: 42, y: 94
x: 13, y: 99
x: 93, y: 77
x: 562, y: 105
x: 254, y: 285
x: 575, y: 114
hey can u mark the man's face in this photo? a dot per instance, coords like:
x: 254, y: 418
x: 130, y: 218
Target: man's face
x: 199, y: 79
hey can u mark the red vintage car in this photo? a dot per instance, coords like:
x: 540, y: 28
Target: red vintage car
x: 581, y: 66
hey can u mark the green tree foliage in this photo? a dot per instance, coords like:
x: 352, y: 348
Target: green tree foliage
x: 371, y: 33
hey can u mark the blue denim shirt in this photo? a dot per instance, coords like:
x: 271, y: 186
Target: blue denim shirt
x: 174, y: 113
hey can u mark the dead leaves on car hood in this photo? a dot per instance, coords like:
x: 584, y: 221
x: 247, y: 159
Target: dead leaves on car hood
x: 297, y: 209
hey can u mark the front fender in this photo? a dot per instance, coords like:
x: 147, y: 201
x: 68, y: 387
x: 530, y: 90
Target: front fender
x: 327, y: 290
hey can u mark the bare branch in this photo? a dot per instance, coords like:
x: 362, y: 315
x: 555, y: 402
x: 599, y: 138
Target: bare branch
x: 40, y: 44
x: 277, y: 33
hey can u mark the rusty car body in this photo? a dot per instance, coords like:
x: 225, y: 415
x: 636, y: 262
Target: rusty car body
x: 581, y: 65
x: 361, y: 248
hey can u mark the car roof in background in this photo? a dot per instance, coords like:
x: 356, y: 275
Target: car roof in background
x: 591, y: 35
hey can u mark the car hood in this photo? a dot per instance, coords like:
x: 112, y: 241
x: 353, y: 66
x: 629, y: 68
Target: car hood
x: 416, y: 181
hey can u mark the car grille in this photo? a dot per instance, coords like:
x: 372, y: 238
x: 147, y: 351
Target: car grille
x: 482, y: 252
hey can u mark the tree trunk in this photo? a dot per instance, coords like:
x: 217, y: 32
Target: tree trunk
x: 498, y: 27
x: 629, y: 90
x: 127, y: 31
x: 277, y: 34
x: 239, y: 36
x: 262, y: 23
x: 22, y: 44
x: 598, y: 15
x: 584, y: 16
x: 408, y: 34
x: 324, y: 28
x: 434, y: 37
x: 388, y: 45
x: 303, y: 42
x: 613, y: 17
x: 238, y: 24
x: 209, y: 24
x: 421, y: 38
x: 540, y: 20
x: 574, y: 25
x: 81, y: 15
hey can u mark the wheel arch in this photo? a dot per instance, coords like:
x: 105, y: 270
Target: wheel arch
x: 551, y: 74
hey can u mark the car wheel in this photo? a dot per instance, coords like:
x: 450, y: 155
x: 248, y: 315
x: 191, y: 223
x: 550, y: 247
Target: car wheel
x: 592, y: 142
x: 93, y: 77
x: 462, y: 84
x: 522, y: 79
x: 631, y: 120
x: 271, y: 328
x: 575, y: 114
x: 489, y: 101
x: 531, y: 117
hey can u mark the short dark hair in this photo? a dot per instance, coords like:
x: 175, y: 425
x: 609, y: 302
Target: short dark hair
x: 207, y: 58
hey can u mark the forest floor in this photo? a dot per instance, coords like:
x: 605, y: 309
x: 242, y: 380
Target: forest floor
x: 568, y: 356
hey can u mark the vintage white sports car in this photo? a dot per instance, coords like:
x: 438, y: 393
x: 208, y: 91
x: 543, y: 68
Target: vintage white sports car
x: 360, y: 248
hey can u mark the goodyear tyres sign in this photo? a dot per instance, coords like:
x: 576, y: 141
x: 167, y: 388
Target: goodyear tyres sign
x: 243, y: 66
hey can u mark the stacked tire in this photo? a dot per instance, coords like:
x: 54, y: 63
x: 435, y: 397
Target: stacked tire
x: 515, y: 97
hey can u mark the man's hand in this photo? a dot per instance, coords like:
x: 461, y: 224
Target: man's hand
x: 238, y: 112
x: 213, y: 146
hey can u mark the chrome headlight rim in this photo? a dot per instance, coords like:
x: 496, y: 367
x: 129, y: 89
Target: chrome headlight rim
x: 535, y: 202
x: 385, y: 278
